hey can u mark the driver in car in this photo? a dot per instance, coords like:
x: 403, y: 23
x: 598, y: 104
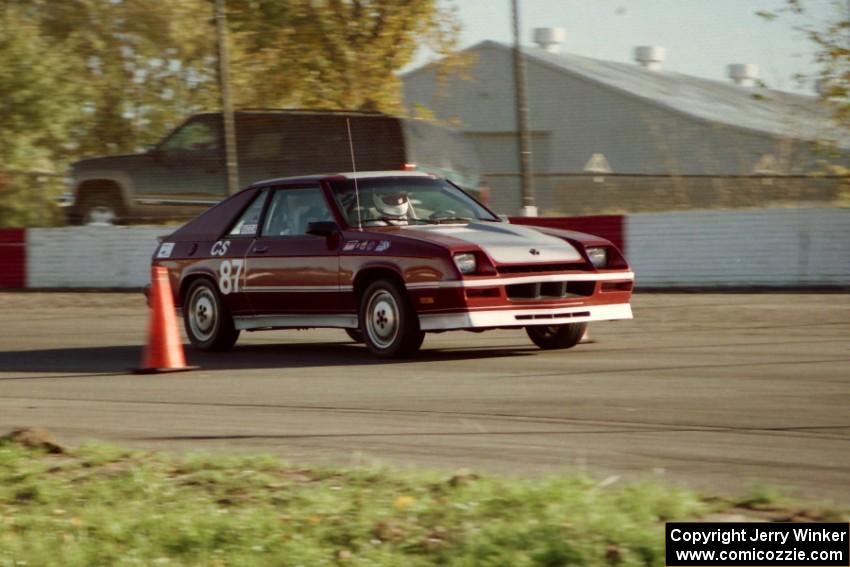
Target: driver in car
x: 393, y: 207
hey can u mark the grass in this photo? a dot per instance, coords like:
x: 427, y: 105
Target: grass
x: 100, y: 505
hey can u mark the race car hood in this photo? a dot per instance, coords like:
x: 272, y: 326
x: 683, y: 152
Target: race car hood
x: 504, y: 243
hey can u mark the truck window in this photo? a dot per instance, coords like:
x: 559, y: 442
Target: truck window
x: 193, y: 137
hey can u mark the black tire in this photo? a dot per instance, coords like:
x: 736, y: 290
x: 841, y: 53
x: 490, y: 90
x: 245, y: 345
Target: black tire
x: 388, y: 322
x: 356, y: 335
x: 556, y: 336
x: 208, y: 323
x: 100, y: 208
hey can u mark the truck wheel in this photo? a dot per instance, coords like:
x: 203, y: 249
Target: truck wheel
x: 388, y: 322
x: 556, y: 336
x: 208, y: 323
x: 101, y: 209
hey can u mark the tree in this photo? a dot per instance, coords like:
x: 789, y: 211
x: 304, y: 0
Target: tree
x: 137, y: 66
x: 36, y: 113
x: 333, y: 53
x: 832, y: 39
x: 93, y: 77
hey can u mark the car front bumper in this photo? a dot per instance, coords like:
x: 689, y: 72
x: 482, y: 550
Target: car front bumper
x: 490, y: 318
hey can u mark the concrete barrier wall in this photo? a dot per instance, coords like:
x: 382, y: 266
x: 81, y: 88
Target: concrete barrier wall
x: 771, y: 247
x: 90, y: 257
x: 774, y: 247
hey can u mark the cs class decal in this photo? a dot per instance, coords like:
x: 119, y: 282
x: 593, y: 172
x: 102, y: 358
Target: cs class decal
x: 220, y: 248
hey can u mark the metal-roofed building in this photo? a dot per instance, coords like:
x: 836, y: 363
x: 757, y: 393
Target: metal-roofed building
x: 611, y: 135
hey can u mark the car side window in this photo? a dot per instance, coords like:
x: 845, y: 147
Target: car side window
x: 292, y: 210
x: 249, y: 222
x: 197, y: 136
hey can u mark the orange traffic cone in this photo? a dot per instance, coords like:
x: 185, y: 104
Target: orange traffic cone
x: 164, y: 351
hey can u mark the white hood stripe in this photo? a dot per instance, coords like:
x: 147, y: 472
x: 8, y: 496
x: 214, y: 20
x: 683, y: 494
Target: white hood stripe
x: 509, y: 243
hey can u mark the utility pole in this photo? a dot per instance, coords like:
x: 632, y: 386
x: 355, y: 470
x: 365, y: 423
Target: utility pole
x: 523, y: 135
x: 226, y: 100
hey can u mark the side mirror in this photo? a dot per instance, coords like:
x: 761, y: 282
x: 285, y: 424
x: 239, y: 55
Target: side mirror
x: 155, y: 153
x: 322, y: 228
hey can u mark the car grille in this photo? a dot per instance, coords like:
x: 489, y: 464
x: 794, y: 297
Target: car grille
x: 537, y: 268
x: 549, y: 290
x: 552, y: 316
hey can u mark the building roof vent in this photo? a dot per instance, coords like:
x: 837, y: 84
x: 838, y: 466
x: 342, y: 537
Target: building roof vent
x: 650, y: 56
x: 744, y: 74
x: 550, y: 39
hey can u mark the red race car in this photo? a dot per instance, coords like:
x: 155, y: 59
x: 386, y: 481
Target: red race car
x: 387, y: 256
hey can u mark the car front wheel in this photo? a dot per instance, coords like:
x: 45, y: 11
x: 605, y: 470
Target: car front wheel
x: 208, y: 323
x: 388, y: 322
x: 355, y: 335
x: 556, y: 336
x: 101, y: 209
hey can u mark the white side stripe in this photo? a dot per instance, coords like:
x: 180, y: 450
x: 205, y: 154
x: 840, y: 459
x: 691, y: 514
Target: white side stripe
x: 296, y: 288
x: 450, y: 321
x: 295, y: 321
x: 525, y: 279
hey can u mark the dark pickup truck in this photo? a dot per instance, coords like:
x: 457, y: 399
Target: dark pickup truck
x: 185, y: 173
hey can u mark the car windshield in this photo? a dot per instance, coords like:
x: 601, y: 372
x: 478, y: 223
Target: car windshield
x: 406, y: 200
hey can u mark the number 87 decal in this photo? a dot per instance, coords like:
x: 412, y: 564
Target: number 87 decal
x: 229, y: 273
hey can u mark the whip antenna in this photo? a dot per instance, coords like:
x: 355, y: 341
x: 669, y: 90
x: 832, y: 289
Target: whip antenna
x: 354, y: 170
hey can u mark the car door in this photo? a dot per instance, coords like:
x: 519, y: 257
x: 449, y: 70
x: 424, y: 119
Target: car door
x: 292, y: 275
x: 228, y: 256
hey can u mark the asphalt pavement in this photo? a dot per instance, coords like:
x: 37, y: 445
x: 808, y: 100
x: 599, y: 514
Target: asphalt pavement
x: 721, y: 392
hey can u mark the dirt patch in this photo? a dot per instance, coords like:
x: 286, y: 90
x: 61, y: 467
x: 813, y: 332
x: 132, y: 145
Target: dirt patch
x: 33, y: 438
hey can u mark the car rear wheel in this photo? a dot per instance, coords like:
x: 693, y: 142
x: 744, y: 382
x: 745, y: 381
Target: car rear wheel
x: 208, y: 323
x: 388, y: 322
x: 556, y: 336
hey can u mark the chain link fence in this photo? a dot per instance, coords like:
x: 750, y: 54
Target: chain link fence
x: 592, y: 194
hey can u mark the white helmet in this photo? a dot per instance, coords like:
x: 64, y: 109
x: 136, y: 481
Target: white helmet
x: 391, y: 204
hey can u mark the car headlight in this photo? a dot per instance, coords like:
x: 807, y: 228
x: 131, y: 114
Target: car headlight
x: 598, y: 256
x: 465, y: 263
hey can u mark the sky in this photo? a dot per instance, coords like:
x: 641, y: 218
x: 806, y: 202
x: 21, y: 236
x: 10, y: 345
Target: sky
x: 701, y: 36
